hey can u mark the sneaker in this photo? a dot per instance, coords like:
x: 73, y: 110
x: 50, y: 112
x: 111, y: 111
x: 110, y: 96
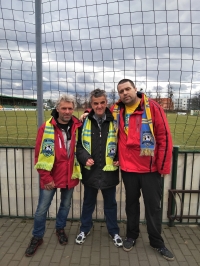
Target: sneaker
x: 117, y: 240
x: 165, y: 253
x: 80, y: 239
x: 62, y: 237
x: 128, y: 243
x: 33, y: 245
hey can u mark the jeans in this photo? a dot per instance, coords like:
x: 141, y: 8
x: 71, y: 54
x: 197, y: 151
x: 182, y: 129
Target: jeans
x: 44, y: 203
x: 110, y: 209
x: 151, y: 186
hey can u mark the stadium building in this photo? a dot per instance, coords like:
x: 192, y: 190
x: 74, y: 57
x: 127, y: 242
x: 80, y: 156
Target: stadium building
x: 16, y: 103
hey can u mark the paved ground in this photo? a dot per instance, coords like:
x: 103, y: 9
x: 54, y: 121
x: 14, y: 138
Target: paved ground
x: 98, y: 250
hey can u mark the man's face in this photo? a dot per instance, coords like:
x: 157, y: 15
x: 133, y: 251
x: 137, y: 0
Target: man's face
x: 99, y: 105
x: 65, y: 111
x: 127, y: 93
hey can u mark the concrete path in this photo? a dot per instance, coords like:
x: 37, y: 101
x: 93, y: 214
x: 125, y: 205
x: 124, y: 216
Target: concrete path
x: 98, y: 249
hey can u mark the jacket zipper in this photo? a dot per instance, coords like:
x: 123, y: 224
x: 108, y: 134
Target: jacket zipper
x: 100, y: 155
x: 60, y: 144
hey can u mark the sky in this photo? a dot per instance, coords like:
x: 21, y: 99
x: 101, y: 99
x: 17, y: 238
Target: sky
x: 88, y: 44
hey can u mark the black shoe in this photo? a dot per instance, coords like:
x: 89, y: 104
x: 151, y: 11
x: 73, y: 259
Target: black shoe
x: 165, y: 253
x: 62, y: 237
x: 34, y: 244
x: 128, y: 243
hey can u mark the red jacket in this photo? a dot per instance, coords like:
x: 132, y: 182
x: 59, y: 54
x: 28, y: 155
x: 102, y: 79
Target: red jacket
x: 129, y: 146
x: 63, y: 166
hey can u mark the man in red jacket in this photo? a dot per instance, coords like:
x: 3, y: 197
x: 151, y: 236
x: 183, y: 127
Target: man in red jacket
x: 145, y: 153
x: 58, y: 168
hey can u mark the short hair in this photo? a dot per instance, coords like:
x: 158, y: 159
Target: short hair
x: 97, y: 93
x: 126, y: 80
x: 66, y: 98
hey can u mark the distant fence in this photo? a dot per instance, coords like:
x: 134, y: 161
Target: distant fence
x: 19, y: 188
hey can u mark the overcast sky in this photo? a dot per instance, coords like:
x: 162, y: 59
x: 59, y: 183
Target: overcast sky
x: 95, y: 43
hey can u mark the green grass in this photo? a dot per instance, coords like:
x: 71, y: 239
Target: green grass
x: 185, y: 130
x: 20, y: 128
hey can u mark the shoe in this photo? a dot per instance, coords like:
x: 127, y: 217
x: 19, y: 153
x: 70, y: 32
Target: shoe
x: 62, y: 237
x: 33, y: 245
x: 80, y: 239
x: 117, y: 240
x: 128, y: 243
x: 165, y: 253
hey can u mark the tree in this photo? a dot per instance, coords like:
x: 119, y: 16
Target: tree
x: 79, y: 100
x: 170, y: 97
x: 149, y: 94
x: 50, y: 103
x: 86, y: 103
x: 194, y: 103
x: 112, y: 96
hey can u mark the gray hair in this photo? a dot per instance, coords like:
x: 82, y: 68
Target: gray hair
x: 97, y: 93
x: 66, y: 98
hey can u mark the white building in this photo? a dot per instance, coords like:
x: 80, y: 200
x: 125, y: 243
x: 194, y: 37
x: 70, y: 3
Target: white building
x: 181, y: 104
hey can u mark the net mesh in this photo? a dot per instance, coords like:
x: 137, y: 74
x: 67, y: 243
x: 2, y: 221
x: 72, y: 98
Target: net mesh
x: 88, y: 44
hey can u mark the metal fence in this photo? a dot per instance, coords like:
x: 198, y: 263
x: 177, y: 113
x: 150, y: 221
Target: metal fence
x: 19, y: 189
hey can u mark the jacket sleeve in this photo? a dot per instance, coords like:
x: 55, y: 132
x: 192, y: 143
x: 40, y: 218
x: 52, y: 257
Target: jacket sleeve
x: 163, y: 141
x: 45, y: 176
x: 81, y: 153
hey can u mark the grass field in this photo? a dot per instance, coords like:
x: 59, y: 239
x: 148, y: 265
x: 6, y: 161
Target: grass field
x: 19, y: 128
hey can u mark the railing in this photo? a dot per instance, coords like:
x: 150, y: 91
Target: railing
x: 184, y: 195
x: 19, y: 189
x: 173, y: 202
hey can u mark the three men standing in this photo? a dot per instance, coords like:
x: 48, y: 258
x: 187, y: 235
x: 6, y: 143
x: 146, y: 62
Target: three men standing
x: 145, y: 153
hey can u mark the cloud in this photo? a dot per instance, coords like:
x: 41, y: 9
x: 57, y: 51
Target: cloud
x: 91, y: 43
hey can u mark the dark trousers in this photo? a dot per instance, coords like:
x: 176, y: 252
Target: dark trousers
x: 110, y: 209
x: 151, y: 186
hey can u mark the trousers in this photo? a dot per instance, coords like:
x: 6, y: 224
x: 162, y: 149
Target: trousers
x: 110, y: 209
x: 151, y: 186
x: 45, y: 199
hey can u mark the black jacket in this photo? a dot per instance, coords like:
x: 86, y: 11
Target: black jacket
x: 96, y: 177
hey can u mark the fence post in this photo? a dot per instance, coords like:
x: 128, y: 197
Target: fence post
x: 174, y: 177
x: 39, y: 74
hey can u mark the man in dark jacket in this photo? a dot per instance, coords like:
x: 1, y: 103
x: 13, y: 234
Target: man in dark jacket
x: 56, y: 163
x: 96, y: 152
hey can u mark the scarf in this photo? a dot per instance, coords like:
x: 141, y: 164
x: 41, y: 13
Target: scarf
x: 147, y: 138
x: 111, y: 144
x: 47, y: 152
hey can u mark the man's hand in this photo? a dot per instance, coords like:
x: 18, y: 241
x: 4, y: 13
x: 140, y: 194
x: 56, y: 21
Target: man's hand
x: 83, y: 116
x: 116, y: 163
x: 49, y: 186
x: 90, y: 162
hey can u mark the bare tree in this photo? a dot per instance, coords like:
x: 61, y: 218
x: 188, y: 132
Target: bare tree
x: 194, y: 103
x: 112, y: 96
x: 79, y: 100
x: 50, y: 103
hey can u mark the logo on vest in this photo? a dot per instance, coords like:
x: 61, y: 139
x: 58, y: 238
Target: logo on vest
x: 48, y: 147
x: 111, y: 149
x: 147, y: 139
